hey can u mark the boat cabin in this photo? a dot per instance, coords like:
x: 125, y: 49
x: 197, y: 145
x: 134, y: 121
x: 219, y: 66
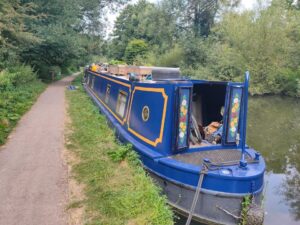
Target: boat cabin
x: 167, y: 112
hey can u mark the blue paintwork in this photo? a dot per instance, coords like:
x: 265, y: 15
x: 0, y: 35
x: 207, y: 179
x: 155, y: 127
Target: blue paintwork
x: 151, y: 127
x: 156, y: 158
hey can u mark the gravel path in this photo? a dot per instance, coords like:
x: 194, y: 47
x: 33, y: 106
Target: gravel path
x: 33, y: 174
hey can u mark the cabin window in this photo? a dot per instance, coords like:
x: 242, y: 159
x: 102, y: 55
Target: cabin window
x: 88, y: 79
x: 93, y: 82
x: 121, y: 103
x: 107, y: 94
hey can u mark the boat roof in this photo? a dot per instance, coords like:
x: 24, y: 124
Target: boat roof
x: 147, y: 74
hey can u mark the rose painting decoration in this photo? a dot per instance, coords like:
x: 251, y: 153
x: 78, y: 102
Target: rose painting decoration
x: 234, y: 115
x: 183, y: 118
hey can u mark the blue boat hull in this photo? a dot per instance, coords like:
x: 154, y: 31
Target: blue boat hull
x: 221, y: 194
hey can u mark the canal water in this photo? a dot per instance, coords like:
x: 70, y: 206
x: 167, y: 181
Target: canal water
x: 274, y: 130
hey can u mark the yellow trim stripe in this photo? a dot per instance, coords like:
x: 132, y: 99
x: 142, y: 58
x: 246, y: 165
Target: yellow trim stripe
x: 159, y: 139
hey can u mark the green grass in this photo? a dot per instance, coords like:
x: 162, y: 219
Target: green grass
x: 14, y: 102
x: 117, y: 189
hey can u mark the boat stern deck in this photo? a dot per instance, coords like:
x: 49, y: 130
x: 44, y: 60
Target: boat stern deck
x: 222, y: 156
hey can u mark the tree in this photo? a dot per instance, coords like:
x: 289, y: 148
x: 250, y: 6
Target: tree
x: 266, y: 42
x: 14, y: 35
x: 196, y: 17
x: 69, y: 31
x: 135, y: 48
x: 146, y: 21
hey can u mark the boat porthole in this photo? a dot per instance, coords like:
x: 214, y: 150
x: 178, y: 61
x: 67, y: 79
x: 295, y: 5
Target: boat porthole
x: 145, y: 113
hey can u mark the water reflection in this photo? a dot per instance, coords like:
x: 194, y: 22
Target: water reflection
x: 274, y: 130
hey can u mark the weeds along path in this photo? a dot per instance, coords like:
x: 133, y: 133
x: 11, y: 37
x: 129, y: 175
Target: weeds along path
x: 33, y: 176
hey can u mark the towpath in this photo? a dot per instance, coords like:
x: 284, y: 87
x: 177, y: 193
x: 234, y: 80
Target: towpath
x: 33, y: 175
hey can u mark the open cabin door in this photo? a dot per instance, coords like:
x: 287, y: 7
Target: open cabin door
x: 182, y: 118
x: 233, y: 114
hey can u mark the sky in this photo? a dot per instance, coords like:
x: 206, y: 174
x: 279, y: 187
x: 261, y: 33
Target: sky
x: 248, y: 4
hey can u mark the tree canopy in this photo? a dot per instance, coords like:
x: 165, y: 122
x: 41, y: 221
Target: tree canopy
x: 47, y: 34
x: 211, y: 39
x: 216, y: 40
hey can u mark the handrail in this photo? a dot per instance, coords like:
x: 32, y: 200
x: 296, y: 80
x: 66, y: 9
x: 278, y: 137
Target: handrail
x: 243, y: 162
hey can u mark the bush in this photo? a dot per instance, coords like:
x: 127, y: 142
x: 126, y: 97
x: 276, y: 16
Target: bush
x: 135, y: 48
x: 173, y: 58
x: 117, y: 62
x: 16, y: 76
x: 19, y: 88
x: 289, y: 82
x: 68, y: 70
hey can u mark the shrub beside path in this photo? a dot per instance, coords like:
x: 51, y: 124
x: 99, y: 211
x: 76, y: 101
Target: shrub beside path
x: 33, y: 174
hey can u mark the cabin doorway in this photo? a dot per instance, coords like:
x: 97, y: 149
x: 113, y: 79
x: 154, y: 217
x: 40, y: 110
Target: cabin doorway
x: 208, y: 101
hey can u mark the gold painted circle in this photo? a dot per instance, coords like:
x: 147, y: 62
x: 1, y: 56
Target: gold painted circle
x: 145, y: 113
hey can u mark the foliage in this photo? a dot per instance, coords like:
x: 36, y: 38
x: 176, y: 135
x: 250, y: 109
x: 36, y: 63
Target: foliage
x: 118, y: 191
x: 172, y: 58
x: 116, y: 62
x: 125, y: 152
x: 264, y: 43
x: 14, y: 36
x: 134, y: 49
x: 18, y: 90
x: 145, y: 21
x: 193, y: 17
x: 16, y: 77
x: 216, y: 41
x: 47, y: 34
x: 245, y: 207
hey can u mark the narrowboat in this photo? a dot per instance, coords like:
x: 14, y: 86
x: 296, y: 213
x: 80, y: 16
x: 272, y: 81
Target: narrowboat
x: 189, y: 134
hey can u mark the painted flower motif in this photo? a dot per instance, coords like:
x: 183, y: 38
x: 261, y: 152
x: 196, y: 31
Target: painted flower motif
x: 182, y: 109
x: 183, y: 118
x: 235, y: 108
x: 182, y: 126
x: 181, y: 134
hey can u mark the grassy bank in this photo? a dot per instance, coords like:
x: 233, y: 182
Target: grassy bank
x: 116, y: 187
x: 19, y: 88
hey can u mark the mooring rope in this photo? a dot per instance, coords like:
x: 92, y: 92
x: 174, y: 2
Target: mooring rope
x: 207, y: 165
x: 203, y: 171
